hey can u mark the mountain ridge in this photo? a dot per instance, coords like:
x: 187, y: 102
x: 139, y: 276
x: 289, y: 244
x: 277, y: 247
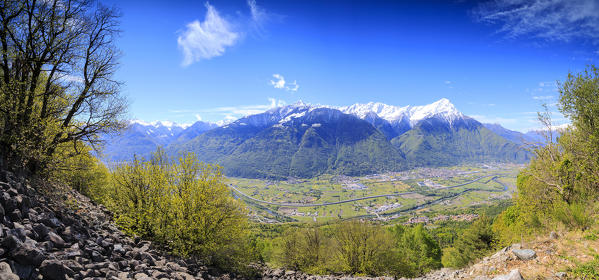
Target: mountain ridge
x: 304, y: 140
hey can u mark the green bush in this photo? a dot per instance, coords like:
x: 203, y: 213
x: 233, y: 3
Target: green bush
x: 364, y: 248
x: 421, y: 252
x: 359, y: 248
x: 184, y: 206
x: 473, y: 243
x: 82, y: 172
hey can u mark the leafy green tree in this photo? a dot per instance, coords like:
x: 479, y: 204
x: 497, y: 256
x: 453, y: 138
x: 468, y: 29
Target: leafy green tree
x: 560, y: 186
x: 82, y: 172
x: 364, y: 248
x: 305, y: 249
x: 473, y: 243
x: 420, y: 250
x: 56, y: 87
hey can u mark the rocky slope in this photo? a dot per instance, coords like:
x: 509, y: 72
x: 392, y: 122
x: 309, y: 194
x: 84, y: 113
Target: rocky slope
x: 44, y: 239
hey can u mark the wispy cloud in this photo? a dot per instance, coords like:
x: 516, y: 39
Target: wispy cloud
x: 544, y: 91
x: 552, y: 20
x: 71, y: 79
x: 258, y: 14
x: 492, y: 119
x: 245, y: 110
x: 280, y: 83
x: 201, y: 40
x: 543, y: 97
x: 207, y: 39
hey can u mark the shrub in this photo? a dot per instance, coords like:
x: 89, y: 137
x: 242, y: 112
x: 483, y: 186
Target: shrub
x: 474, y: 242
x: 420, y: 250
x: 184, y: 206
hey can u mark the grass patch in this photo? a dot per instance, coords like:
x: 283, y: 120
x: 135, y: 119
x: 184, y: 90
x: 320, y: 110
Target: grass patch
x: 588, y: 270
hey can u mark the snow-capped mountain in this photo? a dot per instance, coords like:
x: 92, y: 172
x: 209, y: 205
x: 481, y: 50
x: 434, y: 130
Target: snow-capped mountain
x: 141, y: 138
x: 442, y: 109
x: 163, y: 131
x: 305, y: 140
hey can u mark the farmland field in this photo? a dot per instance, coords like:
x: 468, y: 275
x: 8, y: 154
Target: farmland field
x: 398, y: 196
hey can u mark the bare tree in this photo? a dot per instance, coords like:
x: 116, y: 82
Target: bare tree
x: 56, y: 87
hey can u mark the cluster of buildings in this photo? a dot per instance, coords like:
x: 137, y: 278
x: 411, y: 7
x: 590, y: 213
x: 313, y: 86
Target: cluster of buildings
x: 384, y: 208
x: 441, y: 218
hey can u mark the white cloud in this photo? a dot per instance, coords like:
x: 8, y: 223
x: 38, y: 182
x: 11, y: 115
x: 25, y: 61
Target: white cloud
x: 543, y: 97
x: 198, y: 117
x: 207, y: 39
x: 245, y: 110
x: 71, y: 79
x: 280, y: 83
x: 553, y: 20
x: 233, y: 113
x: 258, y: 14
x: 276, y: 103
x: 293, y: 86
x: 492, y: 119
x: 447, y: 82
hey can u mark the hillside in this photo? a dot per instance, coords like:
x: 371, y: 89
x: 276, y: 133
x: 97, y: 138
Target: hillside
x: 434, y: 143
x: 552, y: 257
x: 61, y: 234
x: 302, y: 140
x: 299, y: 141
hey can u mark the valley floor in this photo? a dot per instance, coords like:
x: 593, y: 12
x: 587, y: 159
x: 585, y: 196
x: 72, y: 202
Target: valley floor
x: 394, y: 197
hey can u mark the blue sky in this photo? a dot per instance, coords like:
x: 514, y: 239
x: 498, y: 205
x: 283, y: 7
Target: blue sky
x: 496, y: 61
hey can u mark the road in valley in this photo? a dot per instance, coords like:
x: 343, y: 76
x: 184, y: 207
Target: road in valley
x: 353, y: 199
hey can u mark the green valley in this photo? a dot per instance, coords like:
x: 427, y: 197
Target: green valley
x: 397, y: 196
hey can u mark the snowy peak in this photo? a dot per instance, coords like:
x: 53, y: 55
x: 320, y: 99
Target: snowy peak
x: 442, y: 108
x: 403, y: 116
x: 384, y: 111
x: 158, y: 124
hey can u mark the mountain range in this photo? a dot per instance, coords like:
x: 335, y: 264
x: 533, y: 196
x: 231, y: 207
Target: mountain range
x: 303, y: 140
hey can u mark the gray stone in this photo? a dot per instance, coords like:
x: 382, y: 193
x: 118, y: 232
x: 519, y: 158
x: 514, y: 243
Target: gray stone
x: 561, y: 274
x: 28, y: 255
x: 525, y: 254
x: 15, y: 215
x: 118, y: 248
x: 24, y: 271
x: 11, y: 242
x: 553, y: 235
x: 55, y: 270
x: 41, y: 230
x: 56, y: 240
x: 6, y: 272
x: 513, y: 275
x: 140, y: 276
